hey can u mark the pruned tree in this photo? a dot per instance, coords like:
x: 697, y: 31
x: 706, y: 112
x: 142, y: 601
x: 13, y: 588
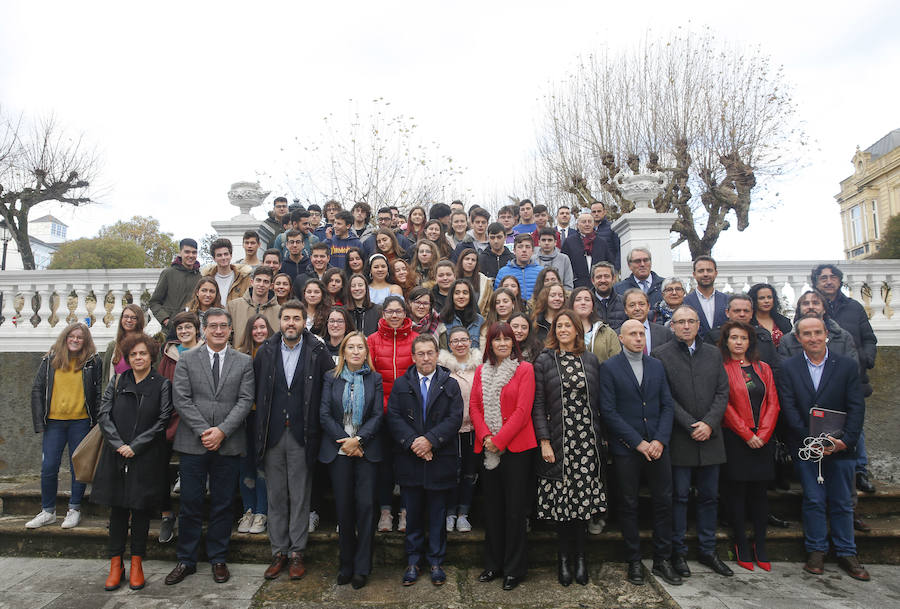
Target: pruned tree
x: 40, y: 163
x: 376, y: 157
x: 159, y: 247
x: 719, y: 120
x: 99, y: 253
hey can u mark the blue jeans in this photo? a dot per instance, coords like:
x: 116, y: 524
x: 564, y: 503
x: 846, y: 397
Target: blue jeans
x: 223, y: 477
x: 56, y: 436
x: 253, y: 478
x: 707, y: 484
x: 836, y: 494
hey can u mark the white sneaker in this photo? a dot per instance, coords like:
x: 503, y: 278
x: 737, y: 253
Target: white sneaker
x: 177, y: 488
x: 451, y: 522
x: 462, y: 523
x: 44, y: 517
x: 313, y: 522
x: 386, y: 522
x: 401, y: 522
x: 259, y: 523
x: 245, y: 522
x: 73, y: 517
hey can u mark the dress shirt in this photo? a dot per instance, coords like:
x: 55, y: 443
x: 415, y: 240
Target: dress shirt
x: 290, y: 357
x: 212, y: 354
x: 647, y: 335
x: 430, y: 378
x: 709, y: 307
x: 816, y: 370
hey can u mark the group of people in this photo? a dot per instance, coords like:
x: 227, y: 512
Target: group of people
x: 431, y: 354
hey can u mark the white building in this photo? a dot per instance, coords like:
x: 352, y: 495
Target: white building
x: 45, y: 234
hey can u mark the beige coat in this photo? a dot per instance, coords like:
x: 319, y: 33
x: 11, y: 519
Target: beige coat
x: 240, y: 284
x: 244, y: 308
x: 465, y: 376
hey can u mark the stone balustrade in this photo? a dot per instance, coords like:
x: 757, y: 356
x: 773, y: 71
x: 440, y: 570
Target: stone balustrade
x: 35, y: 303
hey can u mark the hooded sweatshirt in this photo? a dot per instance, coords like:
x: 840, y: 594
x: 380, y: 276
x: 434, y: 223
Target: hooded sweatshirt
x: 558, y: 261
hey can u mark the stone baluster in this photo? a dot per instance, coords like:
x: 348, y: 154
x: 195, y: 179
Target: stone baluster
x: 118, y: 292
x: 8, y: 310
x: 27, y: 312
x: 45, y: 309
x: 876, y: 305
x: 81, y: 291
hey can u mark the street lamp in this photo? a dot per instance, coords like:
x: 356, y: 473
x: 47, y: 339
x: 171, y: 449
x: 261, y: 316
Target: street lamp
x: 5, y: 237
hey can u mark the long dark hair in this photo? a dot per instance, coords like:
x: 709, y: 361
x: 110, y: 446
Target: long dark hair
x: 531, y: 346
x: 500, y: 328
x: 342, y: 294
x: 754, y: 294
x: 476, y: 271
x: 520, y: 302
x: 467, y: 314
x: 730, y: 325
x: 367, y: 301
x: 322, y: 309
x: 138, y: 327
x: 248, y: 346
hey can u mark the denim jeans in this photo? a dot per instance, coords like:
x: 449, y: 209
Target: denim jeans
x: 835, y: 496
x: 707, y: 484
x: 56, y: 436
x: 253, y: 478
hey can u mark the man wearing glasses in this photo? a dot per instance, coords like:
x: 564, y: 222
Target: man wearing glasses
x: 385, y: 219
x: 642, y: 276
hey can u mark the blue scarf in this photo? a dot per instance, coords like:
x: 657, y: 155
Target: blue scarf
x: 354, y: 393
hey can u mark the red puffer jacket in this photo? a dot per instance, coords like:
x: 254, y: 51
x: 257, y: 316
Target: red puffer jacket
x: 391, y: 352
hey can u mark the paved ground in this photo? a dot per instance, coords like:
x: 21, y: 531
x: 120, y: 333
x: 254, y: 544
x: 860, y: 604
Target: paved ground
x: 52, y: 583
x: 787, y: 586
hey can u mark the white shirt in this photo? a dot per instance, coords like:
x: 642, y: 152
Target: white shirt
x: 224, y: 282
x: 708, y: 305
x: 430, y: 378
x: 212, y: 354
x: 647, y: 334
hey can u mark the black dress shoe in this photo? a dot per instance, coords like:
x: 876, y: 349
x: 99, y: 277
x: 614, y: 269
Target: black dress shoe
x: 775, y: 521
x: 663, y: 569
x: 679, y: 563
x: 358, y: 581
x: 488, y: 576
x: 220, y: 573
x: 563, y: 571
x: 178, y: 574
x: 510, y: 582
x: 636, y: 573
x: 715, y: 563
x: 581, y: 570
x: 343, y: 580
x: 863, y: 483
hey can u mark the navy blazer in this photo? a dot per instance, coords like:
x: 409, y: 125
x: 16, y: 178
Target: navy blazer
x: 654, y: 294
x: 632, y: 412
x: 719, y: 317
x: 331, y: 416
x: 443, y: 418
x: 839, y: 389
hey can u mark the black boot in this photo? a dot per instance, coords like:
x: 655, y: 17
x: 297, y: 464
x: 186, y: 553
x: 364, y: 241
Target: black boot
x: 564, y: 573
x: 581, y: 571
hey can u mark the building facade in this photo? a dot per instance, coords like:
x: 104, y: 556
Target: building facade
x: 871, y: 196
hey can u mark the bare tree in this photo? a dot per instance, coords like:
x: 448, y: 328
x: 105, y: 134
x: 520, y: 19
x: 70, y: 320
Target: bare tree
x: 375, y: 157
x: 39, y: 163
x: 716, y: 118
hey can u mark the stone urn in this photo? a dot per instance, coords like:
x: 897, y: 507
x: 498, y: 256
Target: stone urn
x: 245, y: 196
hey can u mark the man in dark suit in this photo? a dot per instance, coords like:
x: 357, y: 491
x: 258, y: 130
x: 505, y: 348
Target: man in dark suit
x: 740, y: 308
x: 709, y: 302
x: 642, y: 276
x: 290, y: 369
x: 424, y: 414
x: 637, y: 307
x: 699, y: 388
x: 607, y: 302
x: 213, y: 393
x: 584, y: 249
x: 825, y: 380
x: 637, y: 409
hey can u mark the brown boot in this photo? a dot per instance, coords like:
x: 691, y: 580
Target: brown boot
x: 136, y: 577
x: 116, y: 574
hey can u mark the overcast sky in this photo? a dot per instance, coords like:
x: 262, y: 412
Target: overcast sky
x: 183, y: 98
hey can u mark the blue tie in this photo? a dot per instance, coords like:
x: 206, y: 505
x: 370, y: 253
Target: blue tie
x: 424, y: 395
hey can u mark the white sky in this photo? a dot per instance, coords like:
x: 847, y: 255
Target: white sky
x: 184, y: 98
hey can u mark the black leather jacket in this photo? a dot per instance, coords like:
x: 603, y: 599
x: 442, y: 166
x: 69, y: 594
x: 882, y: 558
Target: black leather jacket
x: 42, y: 390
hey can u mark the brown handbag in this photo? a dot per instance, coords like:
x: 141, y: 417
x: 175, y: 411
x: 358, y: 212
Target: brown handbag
x: 87, y: 455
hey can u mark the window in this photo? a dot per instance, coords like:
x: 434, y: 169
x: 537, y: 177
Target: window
x: 856, y: 228
x: 875, y: 218
x: 57, y: 230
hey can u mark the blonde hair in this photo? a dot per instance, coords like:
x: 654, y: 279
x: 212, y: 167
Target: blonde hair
x: 59, y: 352
x: 341, y: 362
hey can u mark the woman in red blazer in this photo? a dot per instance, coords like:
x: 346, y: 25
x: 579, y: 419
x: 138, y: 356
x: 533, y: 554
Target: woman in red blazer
x: 748, y: 426
x: 500, y: 409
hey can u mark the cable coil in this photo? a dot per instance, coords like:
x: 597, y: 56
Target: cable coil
x: 813, y: 449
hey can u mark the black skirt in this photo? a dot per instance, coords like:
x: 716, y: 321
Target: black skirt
x: 747, y: 464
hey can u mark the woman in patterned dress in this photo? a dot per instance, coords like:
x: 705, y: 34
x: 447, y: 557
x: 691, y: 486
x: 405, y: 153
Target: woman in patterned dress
x: 567, y: 426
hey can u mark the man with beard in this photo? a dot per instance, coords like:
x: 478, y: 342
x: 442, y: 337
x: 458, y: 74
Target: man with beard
x: 709, y: 302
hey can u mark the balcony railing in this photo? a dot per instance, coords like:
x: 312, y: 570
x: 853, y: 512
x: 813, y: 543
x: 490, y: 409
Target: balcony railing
x: 36, y: 303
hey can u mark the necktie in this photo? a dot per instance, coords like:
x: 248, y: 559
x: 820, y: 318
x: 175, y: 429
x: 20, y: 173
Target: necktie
x: 424, y: 395
x: 645, y: 285
x: 215, y: 370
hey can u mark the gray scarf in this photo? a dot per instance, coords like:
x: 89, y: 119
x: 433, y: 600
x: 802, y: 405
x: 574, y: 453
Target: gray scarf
x: 493, y: 379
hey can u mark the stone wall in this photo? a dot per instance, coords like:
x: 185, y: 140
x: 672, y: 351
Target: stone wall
x: 20, y: 447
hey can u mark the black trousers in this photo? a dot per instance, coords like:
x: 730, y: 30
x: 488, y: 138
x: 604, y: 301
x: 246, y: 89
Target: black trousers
x: 507, y: 498
x: 659, y: 478
x: 118, y: 531
x: 748, y: 498
x: 353, y: 481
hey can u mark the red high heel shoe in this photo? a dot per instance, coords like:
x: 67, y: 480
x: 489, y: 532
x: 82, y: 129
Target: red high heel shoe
x: 737, y: 557
x: 763, y: 564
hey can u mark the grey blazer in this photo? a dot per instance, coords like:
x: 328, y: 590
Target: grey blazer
x: 201, y: 406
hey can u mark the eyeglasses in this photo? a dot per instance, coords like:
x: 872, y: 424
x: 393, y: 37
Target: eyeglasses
x: 335, y: 322
x: 421, y: 303
x: 673, y: 290
x: 129, y: 318
x: 393, y: 312
x: 459, y: 341
x: 217, y: 326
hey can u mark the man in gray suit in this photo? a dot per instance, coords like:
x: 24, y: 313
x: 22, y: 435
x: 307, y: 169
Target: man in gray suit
x: 213, y: 393
x: 699, y: 387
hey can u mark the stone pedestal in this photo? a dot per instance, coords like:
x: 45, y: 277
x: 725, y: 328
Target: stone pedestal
x: 645, y: 228
x: 245, y: 196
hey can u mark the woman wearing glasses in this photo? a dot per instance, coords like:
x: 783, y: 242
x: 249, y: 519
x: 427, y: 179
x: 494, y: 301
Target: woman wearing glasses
x: 673, y: 296
x: 422, y: 316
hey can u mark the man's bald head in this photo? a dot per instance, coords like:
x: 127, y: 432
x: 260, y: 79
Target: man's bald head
x: 631, y: 335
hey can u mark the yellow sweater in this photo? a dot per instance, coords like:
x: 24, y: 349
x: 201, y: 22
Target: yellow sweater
x: 67, y: 401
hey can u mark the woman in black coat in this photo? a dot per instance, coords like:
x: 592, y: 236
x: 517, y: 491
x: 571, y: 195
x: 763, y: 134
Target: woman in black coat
x: 566, y: 417
x: 351, y: 416
x: 131, y: 475
x: 363, y: 311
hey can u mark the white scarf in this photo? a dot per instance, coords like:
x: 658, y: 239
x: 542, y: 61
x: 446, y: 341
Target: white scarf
x: 493, y: 379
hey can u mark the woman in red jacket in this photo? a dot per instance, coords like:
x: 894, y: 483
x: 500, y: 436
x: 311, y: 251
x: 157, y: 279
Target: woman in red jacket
x: 391, y: 351
x: 749, y: 422
x: 500, y: 409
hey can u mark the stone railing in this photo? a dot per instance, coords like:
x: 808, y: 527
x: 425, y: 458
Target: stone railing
x: 35, y: 303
